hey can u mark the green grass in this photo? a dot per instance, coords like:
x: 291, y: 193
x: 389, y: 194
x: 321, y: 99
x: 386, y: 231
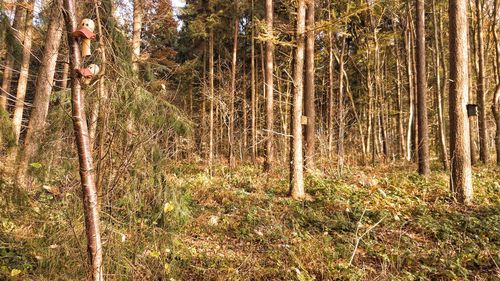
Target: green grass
x: 242, y: 226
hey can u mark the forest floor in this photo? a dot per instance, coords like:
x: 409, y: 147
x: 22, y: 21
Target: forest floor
x: 384, y: 223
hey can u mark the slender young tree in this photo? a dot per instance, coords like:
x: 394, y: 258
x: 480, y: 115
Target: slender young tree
x: 461, y: 172
x: 43, y: 89
x: 211, y: 89
x: 136, y: 34
x: 423, y: 142
x: 297, y: 166
x: 253, y: 102
x: 19, y: 19
x: 496, y: 95
x: 90, y: 201
x: 481, y: 96
x: 309, y: 95
x: 22, y: 83
x: 233, y: 89
x: 269, y: 87
x: 439, y: 88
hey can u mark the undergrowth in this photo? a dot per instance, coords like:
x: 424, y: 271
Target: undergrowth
x: 183, y: 225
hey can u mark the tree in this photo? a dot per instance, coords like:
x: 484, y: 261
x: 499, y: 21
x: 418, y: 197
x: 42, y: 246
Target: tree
x: 22, y: 83
x: 496, y: 95
x: 481, y: 97
x: 423, y: 143
x: 269, y: 87
x: 309, y: 95
x: 461, y: 174
x: 43, y: 89
x: 297, y: 167
x: 19, y: 19
x: 136, y: 34
x: 233, y: 89
x: 87, y: 176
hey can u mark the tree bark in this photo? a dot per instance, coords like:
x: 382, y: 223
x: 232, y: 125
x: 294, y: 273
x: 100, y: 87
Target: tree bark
x: 297, y: 173
x: 340, y: 110
x: 269, y: 88
x: 136, y: 35
x: 90, y: 202
x: 481, y: 96
x: 423, y: 142
x: 439, y: 90
x: 461, y: 172
x: 43, y: 89
x: 233, y: 90
x: 211, y: 89
x: 309, y: 88
x: 17, y: 25
x: 496, y: 96
x: 409, y: 74
x: 22, y: 84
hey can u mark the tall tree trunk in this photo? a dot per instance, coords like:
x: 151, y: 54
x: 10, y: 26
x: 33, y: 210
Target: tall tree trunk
x: 233, y: 90
x: 423, y: 142
x: 481, y: 96
x: 461, y: 172
x: 269, y: 88
x: 297, y: 169
x: 43, y: 89
x: 90, y: 201
x: 331, y: 101
x: 340, y: 110
x: 439, y: 89
x: 17, y: 26
x: 253, y: 90
x: 309, y: 95
x: 409, y: 74
x: 211, y: 89
x: 399, y: 106
x: 136, y: 35
x: 496, y: 96
x: 22, y: 84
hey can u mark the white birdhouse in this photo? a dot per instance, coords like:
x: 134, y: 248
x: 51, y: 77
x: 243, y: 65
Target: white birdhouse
x: 86, y: 33
x: 94, y: 69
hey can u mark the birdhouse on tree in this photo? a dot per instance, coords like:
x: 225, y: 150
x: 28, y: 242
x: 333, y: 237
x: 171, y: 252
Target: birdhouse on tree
x: 88, y: 73
x: 86, y: 34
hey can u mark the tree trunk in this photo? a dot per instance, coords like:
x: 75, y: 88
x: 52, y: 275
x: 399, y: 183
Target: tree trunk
x: 211, y: 89
x: 269, y: 88
x: 496, y: 96
x: 439, y: 90
x: 340, y: 110
x: 22, y: 84
x: 253, y: 90
x: 461, y: 172
x: 233, y: 91
x: 297, y: 173
x: 43, y: 89
x: 19, y: 20
x: 309, y: 95
x: 90, y: 203
x: 409, y: 74
x: 136, y: 35
x: 481, y: 98
x: 423, y: 142
x: 331, y: 114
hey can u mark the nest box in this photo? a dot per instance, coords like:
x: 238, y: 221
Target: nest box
x: 86, y: 34
x: 472, y: 110
x: 88, y: 73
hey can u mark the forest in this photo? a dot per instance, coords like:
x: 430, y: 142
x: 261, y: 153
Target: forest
x: 250, y: 140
